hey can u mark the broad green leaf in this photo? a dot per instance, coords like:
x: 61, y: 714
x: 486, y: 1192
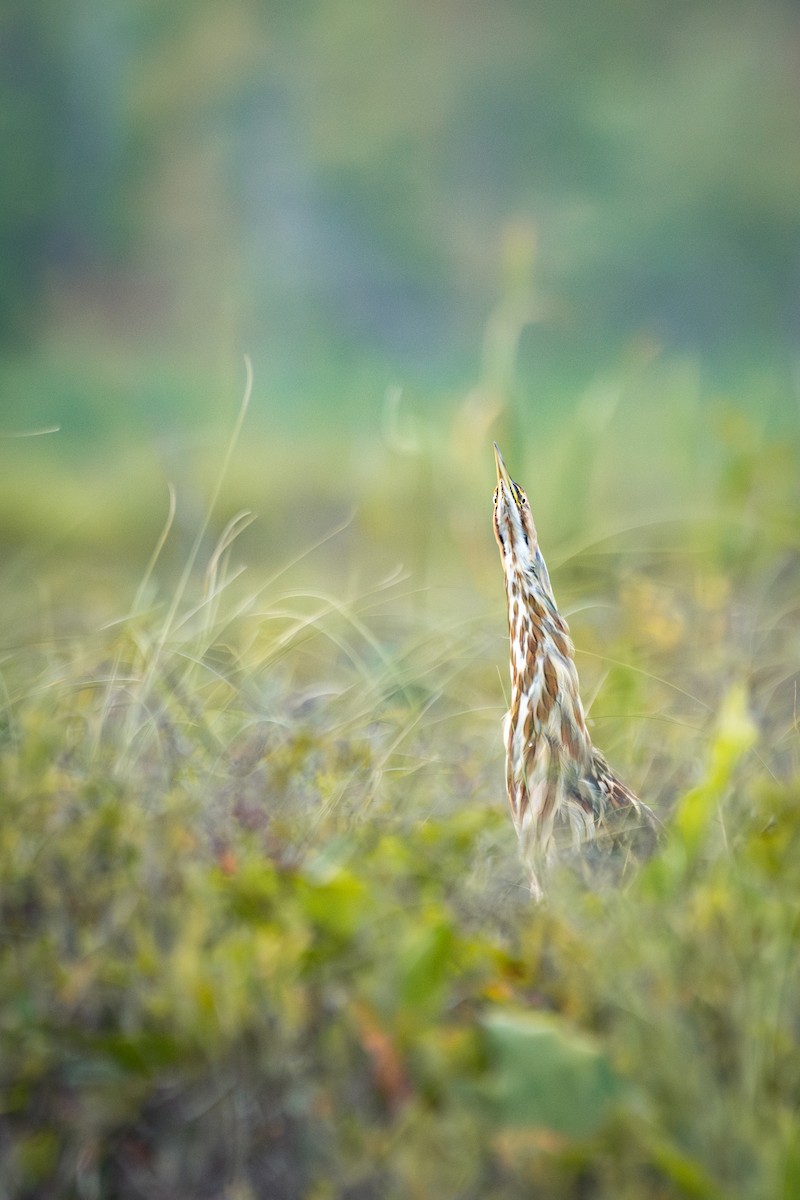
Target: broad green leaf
x: 542, y: 1072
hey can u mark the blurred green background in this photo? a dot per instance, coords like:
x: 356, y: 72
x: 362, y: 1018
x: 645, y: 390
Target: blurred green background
x: 357, y: 194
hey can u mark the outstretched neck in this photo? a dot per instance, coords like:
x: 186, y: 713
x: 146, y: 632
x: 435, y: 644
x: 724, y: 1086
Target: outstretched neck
x: 535, y: 627
x: 530, y: 578
x: 532, y: 610
x: 544, y: 680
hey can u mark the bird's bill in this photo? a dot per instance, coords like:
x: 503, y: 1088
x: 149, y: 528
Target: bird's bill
x: 502, y: 473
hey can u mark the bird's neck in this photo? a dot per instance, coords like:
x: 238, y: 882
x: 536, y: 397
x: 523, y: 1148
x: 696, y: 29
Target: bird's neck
x: 544, y: 680
x: 532, y: 611
x: 535, y: 628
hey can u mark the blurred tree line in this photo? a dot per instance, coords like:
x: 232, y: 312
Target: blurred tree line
x: 341, y: 179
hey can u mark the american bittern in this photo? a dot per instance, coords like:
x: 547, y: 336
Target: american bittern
x: 554, y: 775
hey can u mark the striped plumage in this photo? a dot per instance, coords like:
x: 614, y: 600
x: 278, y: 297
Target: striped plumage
x: 554, y: 774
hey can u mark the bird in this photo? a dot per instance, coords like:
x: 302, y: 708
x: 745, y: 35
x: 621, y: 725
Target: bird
x: 555, y: 777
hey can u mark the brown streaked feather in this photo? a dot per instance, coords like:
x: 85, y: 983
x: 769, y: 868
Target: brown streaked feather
x: 543, y: 708
x: 550, y: 679
x: 561, y: 644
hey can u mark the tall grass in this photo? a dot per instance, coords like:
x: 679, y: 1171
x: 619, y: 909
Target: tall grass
x: 264, y: 932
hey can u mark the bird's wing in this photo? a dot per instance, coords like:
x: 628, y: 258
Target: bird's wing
x: 627, y: 820
x: 614, y: 792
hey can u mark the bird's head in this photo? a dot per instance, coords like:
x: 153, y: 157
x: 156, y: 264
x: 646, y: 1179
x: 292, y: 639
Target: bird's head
x: 514, y: 528
x: 513, y: 523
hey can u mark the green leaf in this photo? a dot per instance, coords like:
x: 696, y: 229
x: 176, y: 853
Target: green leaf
x: 335, y: 905
x: 543, y: 1073
x: 791, y: 1171
x: 735, y: 735
x: 683, y: 1171
x: 423, y: 965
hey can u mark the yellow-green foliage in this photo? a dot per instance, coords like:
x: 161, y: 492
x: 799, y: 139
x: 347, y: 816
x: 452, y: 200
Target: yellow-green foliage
x: 264, y: 933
